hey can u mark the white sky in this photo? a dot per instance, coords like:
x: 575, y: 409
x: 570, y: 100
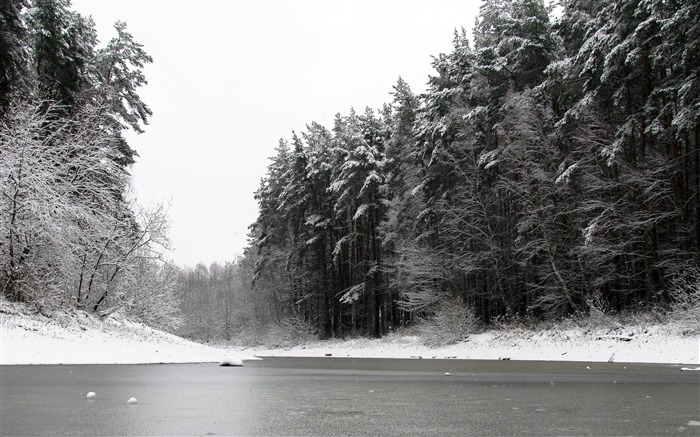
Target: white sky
x: 230, y: 78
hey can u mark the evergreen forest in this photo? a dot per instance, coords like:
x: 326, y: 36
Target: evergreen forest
x: 552, y: 166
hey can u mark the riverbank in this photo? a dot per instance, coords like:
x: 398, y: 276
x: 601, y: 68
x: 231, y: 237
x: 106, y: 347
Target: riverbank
x: 78, y: 338
x: 634, y: 344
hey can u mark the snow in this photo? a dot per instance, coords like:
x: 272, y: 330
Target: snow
x: 651, y: 344
x: 230, y: 361
x: 79, y: 338
x: 566, y: 174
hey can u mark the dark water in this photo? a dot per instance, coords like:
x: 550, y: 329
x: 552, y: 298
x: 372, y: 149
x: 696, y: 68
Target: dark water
x: 308, y: 398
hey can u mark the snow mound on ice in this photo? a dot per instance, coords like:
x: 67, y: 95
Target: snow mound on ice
x: 231, y: 362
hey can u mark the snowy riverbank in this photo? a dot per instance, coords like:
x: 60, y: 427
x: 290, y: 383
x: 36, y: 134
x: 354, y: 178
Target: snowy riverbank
x: 652, y: 344
x: 78, y: 338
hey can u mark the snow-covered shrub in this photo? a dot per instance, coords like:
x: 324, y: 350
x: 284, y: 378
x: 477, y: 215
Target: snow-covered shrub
x: 290, y: 330
x: 685, y: 308
x: 150, y: 295
x: 449, y: 322
x: 598, y: 309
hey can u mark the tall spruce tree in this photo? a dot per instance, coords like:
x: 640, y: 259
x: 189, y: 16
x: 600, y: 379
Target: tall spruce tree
x: 14, y: 53
x: 63, y: 45
x: 118, y: 76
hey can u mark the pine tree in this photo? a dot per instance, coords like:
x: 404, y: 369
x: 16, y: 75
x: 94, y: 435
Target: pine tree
x: 63, y: 47
x: 405, y: 201
x: 118, y: 75
x: 14, y: 62
x: 357, y: 187
x: 270, y: 232
x: 319, y: 229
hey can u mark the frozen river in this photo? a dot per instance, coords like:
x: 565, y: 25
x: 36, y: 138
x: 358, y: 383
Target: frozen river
x: 352, y: 397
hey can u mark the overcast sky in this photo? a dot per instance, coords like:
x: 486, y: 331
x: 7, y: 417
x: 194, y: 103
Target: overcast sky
x: 230, y: 78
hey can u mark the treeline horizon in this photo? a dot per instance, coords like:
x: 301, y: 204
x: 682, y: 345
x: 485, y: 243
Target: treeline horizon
x: 552, y: 168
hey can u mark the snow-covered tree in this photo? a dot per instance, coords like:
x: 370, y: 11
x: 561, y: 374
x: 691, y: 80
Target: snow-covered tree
x: 63, y: 44
x: 118, y: 75
x: 58, y: 201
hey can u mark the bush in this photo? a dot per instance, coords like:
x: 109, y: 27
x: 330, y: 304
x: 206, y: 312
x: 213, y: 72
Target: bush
x: 685, y: 305
x: 450, y: 321
x: 290, y: 330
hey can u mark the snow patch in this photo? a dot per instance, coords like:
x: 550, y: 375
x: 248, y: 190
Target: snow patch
x: 651, y: 344
x: 79, y: 338
x: 566, y: 174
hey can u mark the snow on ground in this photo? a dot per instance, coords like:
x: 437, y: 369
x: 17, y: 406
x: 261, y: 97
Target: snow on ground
x: 647, y: 345
x: 78, y: 338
